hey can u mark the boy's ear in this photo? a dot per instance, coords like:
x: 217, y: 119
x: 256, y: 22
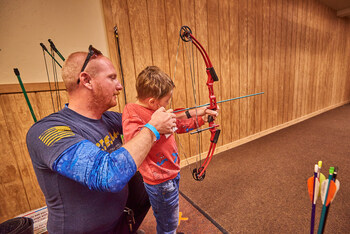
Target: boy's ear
x: 152, y: 101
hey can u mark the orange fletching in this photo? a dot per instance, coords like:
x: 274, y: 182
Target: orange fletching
x: 310, y: 187
x: 331, y: 192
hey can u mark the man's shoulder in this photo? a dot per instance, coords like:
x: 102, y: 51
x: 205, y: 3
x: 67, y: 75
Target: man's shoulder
x: 53, y: 120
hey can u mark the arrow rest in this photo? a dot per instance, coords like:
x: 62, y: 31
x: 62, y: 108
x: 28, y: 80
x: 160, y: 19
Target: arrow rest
x: 196, y: 174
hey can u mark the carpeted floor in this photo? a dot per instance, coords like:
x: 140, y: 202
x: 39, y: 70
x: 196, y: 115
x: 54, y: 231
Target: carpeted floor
x: 260, y: 187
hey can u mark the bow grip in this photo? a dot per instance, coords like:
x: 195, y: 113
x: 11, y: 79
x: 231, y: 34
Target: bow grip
x: 213, y: 74
x: 216, y: 136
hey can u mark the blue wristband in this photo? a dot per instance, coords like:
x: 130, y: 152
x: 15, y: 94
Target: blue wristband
x: 153, y: 129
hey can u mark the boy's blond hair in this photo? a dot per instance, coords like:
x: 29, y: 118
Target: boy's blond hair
x: 153, y: 82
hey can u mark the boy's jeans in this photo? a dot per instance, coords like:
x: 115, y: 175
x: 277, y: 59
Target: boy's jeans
x: 164, y: 199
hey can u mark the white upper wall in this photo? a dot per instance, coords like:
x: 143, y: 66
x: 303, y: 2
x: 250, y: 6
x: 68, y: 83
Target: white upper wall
x: 72, y: 25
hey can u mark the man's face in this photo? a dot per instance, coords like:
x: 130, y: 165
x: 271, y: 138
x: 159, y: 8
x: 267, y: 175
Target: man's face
x: 105, y: 84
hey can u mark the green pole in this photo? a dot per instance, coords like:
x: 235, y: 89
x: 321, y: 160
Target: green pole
x: 24, y: 92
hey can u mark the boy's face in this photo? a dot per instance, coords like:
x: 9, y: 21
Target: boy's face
x: 164, y: 101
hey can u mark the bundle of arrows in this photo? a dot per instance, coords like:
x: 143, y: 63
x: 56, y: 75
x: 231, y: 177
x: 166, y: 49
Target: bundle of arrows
x: 317, y: 186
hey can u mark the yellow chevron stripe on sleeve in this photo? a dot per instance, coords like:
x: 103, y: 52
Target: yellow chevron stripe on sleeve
x: 54, y: 134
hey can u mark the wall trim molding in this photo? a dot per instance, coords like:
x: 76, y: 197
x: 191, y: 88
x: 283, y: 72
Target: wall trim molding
x: 30, y: 87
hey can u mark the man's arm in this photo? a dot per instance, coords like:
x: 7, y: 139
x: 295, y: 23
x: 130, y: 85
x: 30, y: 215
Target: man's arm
x: 87, y: 164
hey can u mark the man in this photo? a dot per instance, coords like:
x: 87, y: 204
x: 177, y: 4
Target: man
x: 87, y: 176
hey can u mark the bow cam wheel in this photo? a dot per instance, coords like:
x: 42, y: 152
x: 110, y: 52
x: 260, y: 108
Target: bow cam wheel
x: 185, y: 33
x: 195, y: 174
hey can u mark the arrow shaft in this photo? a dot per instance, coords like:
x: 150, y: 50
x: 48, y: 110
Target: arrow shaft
x: 222, y: 101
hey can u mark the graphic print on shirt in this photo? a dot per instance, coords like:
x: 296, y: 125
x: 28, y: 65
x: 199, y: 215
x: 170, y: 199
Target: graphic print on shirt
x: 108, y: 142
x: 161, y: 159
x: 185, y: 128
x: 175, y: 154
x: 54, y: 134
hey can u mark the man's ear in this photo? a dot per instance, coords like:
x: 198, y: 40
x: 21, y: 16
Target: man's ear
x: 85, y: 79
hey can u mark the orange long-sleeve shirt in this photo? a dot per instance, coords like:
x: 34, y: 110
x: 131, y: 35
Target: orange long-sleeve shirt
x: 162, y: 162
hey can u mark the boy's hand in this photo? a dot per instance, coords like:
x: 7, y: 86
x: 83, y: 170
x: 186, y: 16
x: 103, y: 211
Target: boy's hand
x: 163, y: 121
x: 205, y: 113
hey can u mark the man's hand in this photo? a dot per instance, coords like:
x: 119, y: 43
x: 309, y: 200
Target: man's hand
x: 163, y: 121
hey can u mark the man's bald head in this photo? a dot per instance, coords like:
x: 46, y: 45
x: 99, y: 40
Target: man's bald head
x: 72, y: 69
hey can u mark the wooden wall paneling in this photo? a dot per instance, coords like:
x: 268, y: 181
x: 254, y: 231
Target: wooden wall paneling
x: 328, y: 55
x: 109, y: 18
x: 277, y: 62
x: 181, y: 79
x: 43, y: 104
x: 215, y: 37
x: 342, y: 57
x: 140, y: 34
x: 234, y: 67
x: 201, y: 21
x: 323, y: 51
x: 243, y: 66
x: 335, y: 80
x: 315, y: 55
x: 121, y: 16
x: 251, y: 64
x: 159, y: 43
x: 318, y: 49
x: 297, y: 59
x: 346, y: 93
x: 224, y: 84
x: 282, y: 11
x: 334, y: 60
x: 120, y: 11
x: 302, y: 59
x: 312, y: 56
x: 18, y: 121
x: 225, y: 78
x: 306, y: 65
x: 345, y: 59
x: 343, y: 62
x: 271, y: 66
x: 286, y: 70
x: 265, y: 64
x: 64, y: 97
x: 292, y: 64
x: 258, y: 65
x: 14, y: 199
x: 187, y: 63
x: 329, y: 49
x: 332, y: 57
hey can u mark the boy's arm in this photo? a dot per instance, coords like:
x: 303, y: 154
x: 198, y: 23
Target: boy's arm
x: 187, y: 125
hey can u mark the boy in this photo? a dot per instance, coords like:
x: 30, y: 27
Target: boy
x: 160, y: 169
